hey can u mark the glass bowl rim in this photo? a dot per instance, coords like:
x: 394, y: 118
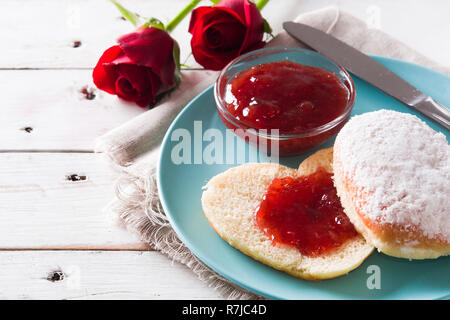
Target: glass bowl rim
x: 306, y: 133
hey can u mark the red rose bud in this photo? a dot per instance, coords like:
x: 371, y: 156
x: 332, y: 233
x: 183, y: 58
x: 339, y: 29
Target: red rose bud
x: 225, y: 31
x: 139, y: 68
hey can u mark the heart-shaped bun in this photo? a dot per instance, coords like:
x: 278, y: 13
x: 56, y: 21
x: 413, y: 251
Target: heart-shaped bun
x: 392, y: 174
x: 230, y: 201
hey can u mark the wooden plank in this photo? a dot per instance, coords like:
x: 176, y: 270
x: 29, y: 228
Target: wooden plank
x: 96, y: 275
x: 56, y: 110
x: 56, y: 201
x: 49, y: 110
x: 67, y: 34
x: 45, y: 36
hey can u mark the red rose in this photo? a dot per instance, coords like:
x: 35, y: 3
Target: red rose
x: 139, y: 68
x: 223, y: 32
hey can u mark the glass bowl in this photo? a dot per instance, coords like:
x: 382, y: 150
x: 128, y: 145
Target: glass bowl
x: 283, y: 144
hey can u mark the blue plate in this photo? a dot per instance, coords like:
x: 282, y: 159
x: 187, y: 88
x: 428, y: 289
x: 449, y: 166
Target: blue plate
x: 180, y: 189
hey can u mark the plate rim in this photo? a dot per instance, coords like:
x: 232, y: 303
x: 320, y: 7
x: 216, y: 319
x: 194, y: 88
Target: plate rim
x: 210, y: 264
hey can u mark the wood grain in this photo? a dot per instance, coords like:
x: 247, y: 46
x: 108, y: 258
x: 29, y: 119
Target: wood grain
x: 57, y: 110
x: 73, y: 34
x: 49, y: 110
x: 57, y: 201
x: 96, y: 275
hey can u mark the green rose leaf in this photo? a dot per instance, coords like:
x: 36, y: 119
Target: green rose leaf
x: 267, y: 28
x: 130, y: 16
x: 176, y: 57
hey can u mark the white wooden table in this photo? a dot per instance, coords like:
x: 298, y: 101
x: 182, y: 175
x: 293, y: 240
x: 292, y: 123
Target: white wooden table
x: 55, y: 239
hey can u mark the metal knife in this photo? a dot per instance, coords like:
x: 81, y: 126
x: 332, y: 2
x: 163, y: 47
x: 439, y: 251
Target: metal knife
x: 369, y: 70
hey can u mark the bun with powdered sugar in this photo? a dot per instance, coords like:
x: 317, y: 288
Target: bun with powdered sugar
x: 392, y: 174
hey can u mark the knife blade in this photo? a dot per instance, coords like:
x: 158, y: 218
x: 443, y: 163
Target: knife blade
x: 369, y: 70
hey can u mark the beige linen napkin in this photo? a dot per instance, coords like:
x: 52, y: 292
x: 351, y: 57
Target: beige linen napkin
x: 134, y: 146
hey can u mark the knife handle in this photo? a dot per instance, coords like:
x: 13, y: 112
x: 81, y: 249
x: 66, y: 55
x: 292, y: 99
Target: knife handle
x: 435, y: 111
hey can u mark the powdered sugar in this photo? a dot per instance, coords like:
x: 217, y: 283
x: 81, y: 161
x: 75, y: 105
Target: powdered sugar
x: 401, y: 167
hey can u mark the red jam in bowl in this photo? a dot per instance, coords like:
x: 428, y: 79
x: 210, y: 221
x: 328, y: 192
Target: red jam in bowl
x: 305, y: 213
x: 287, y: 96
x: 298, y: 100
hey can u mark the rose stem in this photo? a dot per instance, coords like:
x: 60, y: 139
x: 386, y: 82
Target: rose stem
x: 261, y: 4
x: 180, y: 16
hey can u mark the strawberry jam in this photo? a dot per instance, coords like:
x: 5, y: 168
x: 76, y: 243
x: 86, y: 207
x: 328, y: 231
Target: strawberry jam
x: 287, y: 96
x: 306, y: 213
